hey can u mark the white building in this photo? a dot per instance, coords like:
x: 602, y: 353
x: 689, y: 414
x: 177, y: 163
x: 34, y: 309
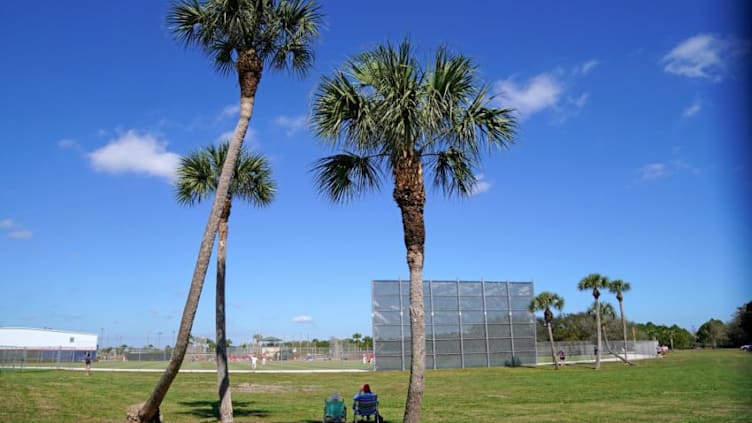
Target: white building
x: 46, y: 339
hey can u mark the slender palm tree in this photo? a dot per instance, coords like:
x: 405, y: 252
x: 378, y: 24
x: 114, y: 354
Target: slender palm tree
x: 595, y: 282
x: 606, y: 312
x: 245, y: 36
x: 618, y: 287
x: 198, y: 177
x: 389, y: 115
x: 545, y: 301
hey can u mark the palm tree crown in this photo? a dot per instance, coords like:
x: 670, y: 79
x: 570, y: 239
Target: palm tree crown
x: 385, y: 110
x: 198, y: 177
x: 278, y: 32
x: 606, y: 310
x: 545, y: 301
x: 618, y: 286
x: 593, y: 281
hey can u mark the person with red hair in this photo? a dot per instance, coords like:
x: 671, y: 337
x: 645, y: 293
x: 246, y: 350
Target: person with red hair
x: 366, y: 404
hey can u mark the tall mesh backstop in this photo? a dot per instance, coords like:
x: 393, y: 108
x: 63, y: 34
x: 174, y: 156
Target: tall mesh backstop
x: 468, y: 324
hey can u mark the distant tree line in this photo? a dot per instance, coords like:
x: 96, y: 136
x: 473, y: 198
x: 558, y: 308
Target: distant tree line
x: 714, y: 333
x: 736, y: 332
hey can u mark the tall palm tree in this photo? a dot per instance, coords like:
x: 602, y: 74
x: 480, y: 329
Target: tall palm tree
x: 390, y: 115
x: 198, y: 177
x: 606, y: 312
x: 618, y: 287
x: 545, y: 301
x: 245, y: 36
x: 595, y: 282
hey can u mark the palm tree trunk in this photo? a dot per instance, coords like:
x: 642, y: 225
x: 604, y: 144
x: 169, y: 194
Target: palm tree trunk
x: 409, y: 193
x: 553, y: 350
x: 249, y: 75
x: 624, y: 327
x: 223, y: 374
x: 598, y: 330
x: 608, y: 347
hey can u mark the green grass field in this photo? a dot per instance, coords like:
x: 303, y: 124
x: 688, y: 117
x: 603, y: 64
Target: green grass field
x: 686, y: 386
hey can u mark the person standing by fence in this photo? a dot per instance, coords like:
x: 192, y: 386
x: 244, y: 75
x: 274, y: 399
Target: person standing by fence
x: 87, y: 362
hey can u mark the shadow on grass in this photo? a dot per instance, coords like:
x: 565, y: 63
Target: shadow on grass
x: 207, y: 409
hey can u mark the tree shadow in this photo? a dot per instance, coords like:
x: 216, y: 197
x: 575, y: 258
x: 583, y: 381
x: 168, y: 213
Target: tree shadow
x: 206, y: 409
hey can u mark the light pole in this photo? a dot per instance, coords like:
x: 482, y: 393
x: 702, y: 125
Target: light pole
x: 159, y: 342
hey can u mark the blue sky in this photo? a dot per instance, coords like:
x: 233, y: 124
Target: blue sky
x: 632, y: 160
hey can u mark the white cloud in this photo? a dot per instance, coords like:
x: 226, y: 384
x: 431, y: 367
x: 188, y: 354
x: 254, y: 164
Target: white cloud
x: 302, y: 319
x: 136, y: 153
x: 653, y: 171
x: 67, y: 143
x: 20, y: 234
x: 481, y: 186
x: 588, y: 66
x: 580, y: 101
x: 250, y: 136
x: 541, y: 92
x: 229, y: 111
x: 14, y: 230
x: 681, y: 165
x: 702, y: 56
x: 692, y: 109
x: 292, y: 124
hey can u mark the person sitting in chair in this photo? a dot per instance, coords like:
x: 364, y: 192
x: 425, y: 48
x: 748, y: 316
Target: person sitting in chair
x: 366, y: 404
x: 364, y: 390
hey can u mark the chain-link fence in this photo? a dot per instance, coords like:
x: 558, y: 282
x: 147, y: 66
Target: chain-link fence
x: 297, y: 355
x: 467, y: 324
x: 15, y: 357
x: 582, y: 351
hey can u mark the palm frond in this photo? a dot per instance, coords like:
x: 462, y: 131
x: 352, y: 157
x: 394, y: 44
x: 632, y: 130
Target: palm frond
x: 253, y: 180
x: 619, y: 286
x: 197, y: 179
x: 279, y: 32
x: 224, y: 62
x: 186, y: 19
x: 593, y: 281
x: 199, y: 172
x: 344, y: 176
x: 546, y: 300
x: 294, y: 25
x: 453, y: 172
x: 383, y: 103
x: 606, y: 310
x: 342, y: 113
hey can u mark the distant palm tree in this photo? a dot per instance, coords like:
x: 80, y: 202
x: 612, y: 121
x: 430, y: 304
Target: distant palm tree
x: 595, y: 282
x: 245, y: 36
x: 606, y: 312
x: 198, y: 177
x: 389, y: 115
x: 618, y: 287
x: 545, y: 301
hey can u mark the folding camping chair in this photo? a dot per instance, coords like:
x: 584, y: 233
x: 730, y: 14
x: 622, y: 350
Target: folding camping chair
x: 366, y: 406
x: 335, y: 410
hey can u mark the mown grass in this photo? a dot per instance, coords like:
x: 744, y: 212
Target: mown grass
x: 691, y: 386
